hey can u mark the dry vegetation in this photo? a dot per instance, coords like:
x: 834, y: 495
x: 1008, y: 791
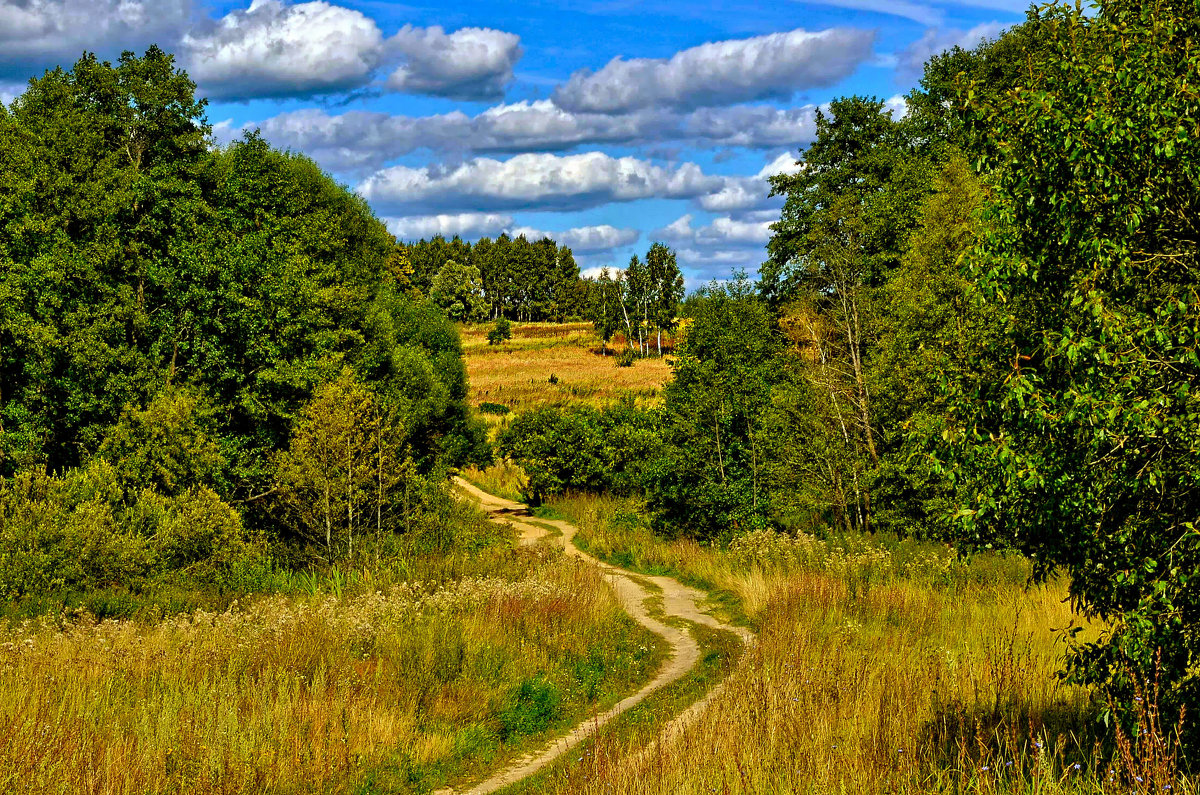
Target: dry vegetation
x: 399, y: 687
x: 883, y: 668
x: 517, y: 373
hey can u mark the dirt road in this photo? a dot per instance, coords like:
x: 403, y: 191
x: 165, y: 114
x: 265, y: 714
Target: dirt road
x: 678, y: 600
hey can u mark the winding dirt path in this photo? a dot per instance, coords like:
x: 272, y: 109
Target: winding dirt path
x: 678, y: 600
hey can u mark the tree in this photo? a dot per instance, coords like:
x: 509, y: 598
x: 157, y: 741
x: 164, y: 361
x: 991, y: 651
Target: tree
x: 604, y: 306
x: 710, y: 481
x: 863, y: 164
x: 338, y: 475
x: 1085, y: 453
x: 459, y: 290
x: 666, y: 288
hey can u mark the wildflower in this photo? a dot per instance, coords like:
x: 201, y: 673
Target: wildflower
x: 1077, y: 765
x: 985, y: 768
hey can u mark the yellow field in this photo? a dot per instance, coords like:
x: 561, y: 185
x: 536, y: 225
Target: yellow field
x: 517, y: 373
x: 393, y: 689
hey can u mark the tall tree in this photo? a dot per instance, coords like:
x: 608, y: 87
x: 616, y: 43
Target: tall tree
x: 1085, y: 454
x: 666, y: 288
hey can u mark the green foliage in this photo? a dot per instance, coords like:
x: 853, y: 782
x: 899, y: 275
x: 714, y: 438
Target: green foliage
x: 494, y: 408
x: 533, y: 706
x: 710, y: 480
x: 80, y: 531
x: 582, y: 448
x: 861, y: 181
x: 459, y: 290
x: 343, y: 468
x: 1085, y: 453
x: 523, y: 279
x: 133, y: 259
x: 626, y: 358
x: 167, y: 446
x: 501, y: 332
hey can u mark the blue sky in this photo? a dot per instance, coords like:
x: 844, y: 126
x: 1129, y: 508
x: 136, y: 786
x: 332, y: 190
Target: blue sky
x: 606, y: 124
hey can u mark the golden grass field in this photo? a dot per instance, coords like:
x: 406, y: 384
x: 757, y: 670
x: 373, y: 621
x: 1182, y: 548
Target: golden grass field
x: 884, y: 666
x: 517, y: 373
x: 393, y: 689
x: 881, y: 669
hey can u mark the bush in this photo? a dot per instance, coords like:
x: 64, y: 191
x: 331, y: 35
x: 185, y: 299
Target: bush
x: 501, y: 332
x: 78, y: 532
x: 582, y: 448
x: 626, y: 357
x: 493, y: 408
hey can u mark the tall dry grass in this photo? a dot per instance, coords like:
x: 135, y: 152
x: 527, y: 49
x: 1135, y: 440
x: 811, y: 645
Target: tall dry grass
x: 517, y: 373
x: 883, y: 667
x: 402, y: 687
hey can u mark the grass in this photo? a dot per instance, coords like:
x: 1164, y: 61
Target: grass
x: 883, y: 667
x: 627, y: 735
x: 398, y: 684
x: 517, y: 374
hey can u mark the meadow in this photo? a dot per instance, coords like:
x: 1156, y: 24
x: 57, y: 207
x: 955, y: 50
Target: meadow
x: 883, y: 666
x: 553, y: 364
x: 390, y: 680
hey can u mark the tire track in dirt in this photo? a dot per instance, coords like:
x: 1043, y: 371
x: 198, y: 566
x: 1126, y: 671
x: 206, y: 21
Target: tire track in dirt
x: 679, y: 601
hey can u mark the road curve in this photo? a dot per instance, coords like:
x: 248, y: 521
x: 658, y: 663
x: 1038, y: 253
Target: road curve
x: 678, y: 601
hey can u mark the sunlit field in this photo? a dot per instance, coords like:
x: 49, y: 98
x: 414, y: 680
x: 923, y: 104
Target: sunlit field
x: 883, y: 667
x: 396, y: 685
x: 549, y: 364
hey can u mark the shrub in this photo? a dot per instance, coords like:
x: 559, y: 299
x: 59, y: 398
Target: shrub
x: 501, y: 332
x: 493, y: 408
x: 626, y: 357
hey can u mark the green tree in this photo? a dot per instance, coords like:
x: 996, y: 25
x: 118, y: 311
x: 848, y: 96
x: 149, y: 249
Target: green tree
x: 604, y: 306
x: 711, y: 481
x: 666, y: 288
x: 168, y: 446
x: 1085, y: 453
x: 458, y: 289
x: 343, y: 465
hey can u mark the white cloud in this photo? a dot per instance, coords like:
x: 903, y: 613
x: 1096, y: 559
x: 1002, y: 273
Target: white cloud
x: 465, y: 225
x: 542, y: 181
x: 470, y: 63
x: 40, y: 34
x: 358, y: 140
x: 935, y: 40
x: 273, y: 49
x: 722, y: 231
x: 584, y: 239
x: 775, y: 66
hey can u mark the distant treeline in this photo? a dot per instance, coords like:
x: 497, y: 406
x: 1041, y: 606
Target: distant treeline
x: 506, y: 277
x: 540, y: 281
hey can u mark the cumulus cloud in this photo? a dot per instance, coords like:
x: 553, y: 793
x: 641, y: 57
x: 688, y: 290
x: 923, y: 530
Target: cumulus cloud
x: 543, y: 181
x: 464, y: 225
x: 738, y: 194
x: 273, y: 49
x: 40, y: 34
x: 584, y: 239
x: 470, y: 63
x: 774, y: 66
x: 358, y: 141
x: 724, y: 244
x: 721, y: 232
x: 936, y: 40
